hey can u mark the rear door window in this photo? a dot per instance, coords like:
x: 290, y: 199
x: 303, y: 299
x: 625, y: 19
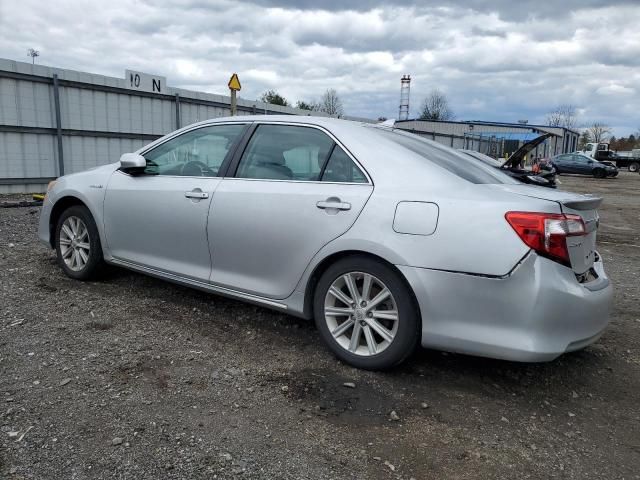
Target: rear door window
x: 285, y: 152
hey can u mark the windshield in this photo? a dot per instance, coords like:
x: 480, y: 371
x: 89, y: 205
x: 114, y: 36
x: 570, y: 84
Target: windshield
x: 455, y: 162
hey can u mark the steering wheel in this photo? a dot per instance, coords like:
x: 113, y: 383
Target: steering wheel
x: 194, y: 168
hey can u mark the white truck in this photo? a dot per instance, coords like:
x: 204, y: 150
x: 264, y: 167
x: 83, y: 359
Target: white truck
x: 602, y: 153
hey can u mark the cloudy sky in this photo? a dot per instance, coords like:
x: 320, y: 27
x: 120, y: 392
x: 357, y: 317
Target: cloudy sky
x: 498, y: 60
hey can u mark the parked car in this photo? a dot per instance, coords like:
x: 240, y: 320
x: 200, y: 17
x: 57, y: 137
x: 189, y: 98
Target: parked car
x: 544, y: 178
x: 365, y: 228
x: 582, y: 164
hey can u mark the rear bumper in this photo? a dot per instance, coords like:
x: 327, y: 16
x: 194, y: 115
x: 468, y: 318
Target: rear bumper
x: 534, y: 314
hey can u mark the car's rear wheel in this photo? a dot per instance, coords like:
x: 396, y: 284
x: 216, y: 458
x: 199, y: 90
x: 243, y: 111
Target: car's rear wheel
x: 634, y: 167
x: 78, y: 244
x: 599, y: 173
x: 366, y: 313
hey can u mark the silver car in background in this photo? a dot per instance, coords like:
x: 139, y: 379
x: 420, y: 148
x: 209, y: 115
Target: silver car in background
x: 385, y: 238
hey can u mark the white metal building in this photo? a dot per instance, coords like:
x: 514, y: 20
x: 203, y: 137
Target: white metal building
x: 493, y: 138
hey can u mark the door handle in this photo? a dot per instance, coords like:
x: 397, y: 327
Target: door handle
x: 334, y: 204
x: 196, y: 194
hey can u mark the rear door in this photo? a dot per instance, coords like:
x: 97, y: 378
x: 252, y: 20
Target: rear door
x: 295, y: 189
x: 157, y: 218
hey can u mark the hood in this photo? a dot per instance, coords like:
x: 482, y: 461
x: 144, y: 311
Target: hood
x: 519, y: 154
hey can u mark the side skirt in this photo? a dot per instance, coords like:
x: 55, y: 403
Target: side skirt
x: 204, y: 286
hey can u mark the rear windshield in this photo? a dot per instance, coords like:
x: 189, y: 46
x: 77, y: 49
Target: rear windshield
x: 455, y: 162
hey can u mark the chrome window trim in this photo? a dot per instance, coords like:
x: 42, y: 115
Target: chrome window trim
x: 284, y: 180
x: 153, y: 145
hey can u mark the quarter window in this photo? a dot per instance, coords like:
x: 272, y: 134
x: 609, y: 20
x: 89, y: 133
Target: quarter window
x: 196, y: 153
x: 341, y: 168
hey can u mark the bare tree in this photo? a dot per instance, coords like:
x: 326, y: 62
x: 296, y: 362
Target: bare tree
x: 599, y: 132
x: 436, y: 107
x: 330, y: 103
x: 563, y: 116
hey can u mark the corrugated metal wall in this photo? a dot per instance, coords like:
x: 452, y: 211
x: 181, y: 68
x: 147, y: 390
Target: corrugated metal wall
x: 99, y: 120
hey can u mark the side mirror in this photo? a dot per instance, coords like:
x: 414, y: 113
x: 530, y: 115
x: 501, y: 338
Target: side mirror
x: 132, y: 161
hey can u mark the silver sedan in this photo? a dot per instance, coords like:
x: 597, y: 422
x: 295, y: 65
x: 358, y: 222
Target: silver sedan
x: 385, y: 238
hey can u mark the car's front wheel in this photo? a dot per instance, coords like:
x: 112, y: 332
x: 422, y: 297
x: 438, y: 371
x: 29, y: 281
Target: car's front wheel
x: 599, y: 173
x: 78, y: 243
x: 366, y: 314
x: 634, y: 167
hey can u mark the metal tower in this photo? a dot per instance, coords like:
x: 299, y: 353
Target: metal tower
x: 405, y: 86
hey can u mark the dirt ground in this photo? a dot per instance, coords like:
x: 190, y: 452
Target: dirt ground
x: 135, y: 378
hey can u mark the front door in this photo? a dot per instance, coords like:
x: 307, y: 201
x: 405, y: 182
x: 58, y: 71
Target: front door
x: 295, y: 190
x: 158, y: 218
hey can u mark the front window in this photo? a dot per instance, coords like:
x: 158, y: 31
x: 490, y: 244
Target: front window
x: 196, y: 153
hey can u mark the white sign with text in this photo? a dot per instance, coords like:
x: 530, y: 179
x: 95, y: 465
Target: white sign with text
x: 145, y: 81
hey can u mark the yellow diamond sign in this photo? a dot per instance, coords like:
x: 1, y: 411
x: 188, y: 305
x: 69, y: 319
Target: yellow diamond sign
x: 234, y: 82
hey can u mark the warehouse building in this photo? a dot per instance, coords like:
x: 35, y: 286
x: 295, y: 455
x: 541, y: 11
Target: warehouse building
x: 494, y: 138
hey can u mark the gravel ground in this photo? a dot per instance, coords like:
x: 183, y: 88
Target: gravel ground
x: 133, y: 377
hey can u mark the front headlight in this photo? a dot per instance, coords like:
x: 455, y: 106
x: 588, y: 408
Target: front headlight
x: 50, y: 186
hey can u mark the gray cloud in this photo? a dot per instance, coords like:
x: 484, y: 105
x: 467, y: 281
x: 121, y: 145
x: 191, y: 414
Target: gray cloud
x: 496, y: 60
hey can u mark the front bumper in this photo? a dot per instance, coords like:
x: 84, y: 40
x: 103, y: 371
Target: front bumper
x: 44, y: 231
x: 534, y: 314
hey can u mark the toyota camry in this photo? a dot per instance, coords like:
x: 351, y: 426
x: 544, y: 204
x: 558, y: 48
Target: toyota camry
x: 388, y: 240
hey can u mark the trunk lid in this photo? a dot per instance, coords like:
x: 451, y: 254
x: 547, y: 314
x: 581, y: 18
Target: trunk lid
x: 582, y: 249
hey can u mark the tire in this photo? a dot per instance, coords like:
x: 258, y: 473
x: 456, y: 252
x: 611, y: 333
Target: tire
x: 634, y: 167
x: 79, y: 253
x: 394, y: 339
x: 599, y: 173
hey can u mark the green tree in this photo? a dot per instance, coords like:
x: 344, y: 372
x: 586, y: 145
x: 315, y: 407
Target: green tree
x: 274, y: 98
x: 302, y: 105
x: 584, y: 139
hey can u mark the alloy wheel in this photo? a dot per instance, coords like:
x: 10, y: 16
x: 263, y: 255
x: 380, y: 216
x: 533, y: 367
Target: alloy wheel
x: 75, y: 243
x: 361, y: 313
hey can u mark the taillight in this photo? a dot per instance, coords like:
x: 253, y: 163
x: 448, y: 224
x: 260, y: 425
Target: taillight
x: 547, y: 233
